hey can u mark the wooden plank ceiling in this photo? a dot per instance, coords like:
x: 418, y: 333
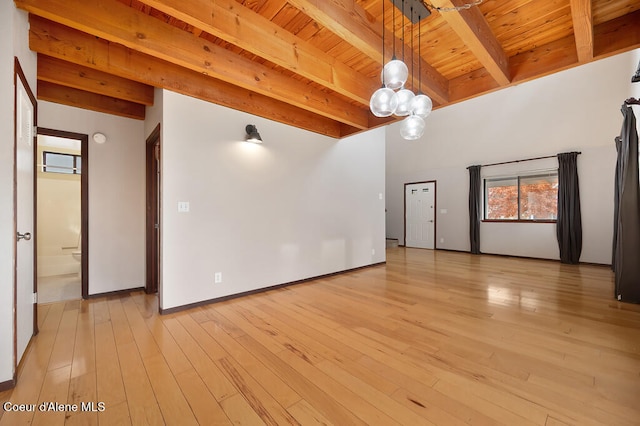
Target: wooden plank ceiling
x: 312, y: 64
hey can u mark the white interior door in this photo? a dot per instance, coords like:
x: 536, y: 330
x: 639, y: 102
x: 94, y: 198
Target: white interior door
x: 25, y: 304
x: 420, y: 215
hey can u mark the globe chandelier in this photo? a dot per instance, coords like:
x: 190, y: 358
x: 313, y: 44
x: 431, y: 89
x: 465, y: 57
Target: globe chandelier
x: 393, y: 98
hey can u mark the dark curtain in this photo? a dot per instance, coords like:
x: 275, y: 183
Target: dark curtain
x: 626, y: 254
x: 569, y: 224
x: 474, y: 208
x: 616, y: 203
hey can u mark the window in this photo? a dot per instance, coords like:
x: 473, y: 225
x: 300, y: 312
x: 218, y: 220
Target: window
x: 522, y: 198
x: 55, y: 162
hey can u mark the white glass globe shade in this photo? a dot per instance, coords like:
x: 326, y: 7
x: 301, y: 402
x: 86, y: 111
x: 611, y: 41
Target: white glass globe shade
x: 405, y: 97
x: 383, y: 103
x: 421, y: 105
x: 412, y: 127
x: 394, y: 74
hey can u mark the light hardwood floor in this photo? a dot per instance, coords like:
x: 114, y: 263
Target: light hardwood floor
x: 429, y: 338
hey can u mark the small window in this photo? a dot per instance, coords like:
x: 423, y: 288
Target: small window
x: 522, y: 198
x: 55, y: 162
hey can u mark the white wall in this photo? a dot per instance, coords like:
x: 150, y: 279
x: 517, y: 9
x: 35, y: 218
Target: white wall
x: 298, y: 206
x: 116, y: 194
x: 13, y: 42
x: 578, y: 109
x: 153, y: 114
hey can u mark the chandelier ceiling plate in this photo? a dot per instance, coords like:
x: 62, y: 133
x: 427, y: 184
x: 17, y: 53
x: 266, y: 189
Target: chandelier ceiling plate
x: 419, y: 9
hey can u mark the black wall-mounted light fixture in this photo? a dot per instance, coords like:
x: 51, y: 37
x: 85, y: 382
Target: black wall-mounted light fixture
x: 636, y: 77
x: 252, y: 134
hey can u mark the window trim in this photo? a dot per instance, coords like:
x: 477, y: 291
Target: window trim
x: 74, y: 171
x: 518, y: 219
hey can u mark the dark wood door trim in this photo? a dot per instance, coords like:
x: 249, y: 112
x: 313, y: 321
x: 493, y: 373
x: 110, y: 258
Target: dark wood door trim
x: 153, y: 213
x: 84, y: 199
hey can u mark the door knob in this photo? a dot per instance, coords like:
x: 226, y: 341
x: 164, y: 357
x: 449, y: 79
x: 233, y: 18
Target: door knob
x: 26, y: 236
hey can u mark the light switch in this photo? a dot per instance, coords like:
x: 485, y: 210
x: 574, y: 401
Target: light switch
x: 183, y: 206
x: 443, y: 211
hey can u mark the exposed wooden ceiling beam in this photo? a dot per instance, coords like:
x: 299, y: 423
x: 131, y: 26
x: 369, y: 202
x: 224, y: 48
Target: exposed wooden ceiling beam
x: 473, y: 29
x: 84, y: 78
x: 610, y: 38
x: 86, y: 100
x: 121, y: 24
x: 238, y: 25
x: 351, y: 23
x: 56, y: 40
x: 583, y: 28
x: 616, y: 36
x: 347, y: 20
x: 471, y: 85
x: 544, y: 60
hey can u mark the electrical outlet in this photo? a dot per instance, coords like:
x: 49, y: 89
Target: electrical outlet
x: 442, y: 240
x: 217, y: 278
x: 373, y: 252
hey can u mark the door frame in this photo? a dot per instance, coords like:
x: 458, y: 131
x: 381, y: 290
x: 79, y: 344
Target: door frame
x: 435, y: 210
x: 84, y: 199
x: 153, y: 189
x: 18, y: 74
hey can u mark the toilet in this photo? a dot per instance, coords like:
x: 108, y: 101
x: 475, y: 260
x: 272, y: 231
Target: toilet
x: 77, y: 254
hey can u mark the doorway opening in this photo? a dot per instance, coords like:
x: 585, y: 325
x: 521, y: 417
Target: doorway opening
x: 62, y: 171
x: 153, y: 189
x: 419, y: 214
